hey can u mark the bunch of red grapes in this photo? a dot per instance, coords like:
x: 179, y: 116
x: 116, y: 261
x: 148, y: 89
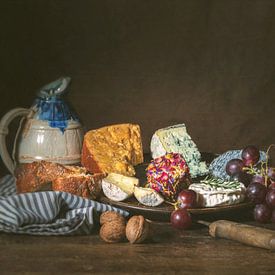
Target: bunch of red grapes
x: 260, y: 183
x: 260, y: 189
x: 180, y: 218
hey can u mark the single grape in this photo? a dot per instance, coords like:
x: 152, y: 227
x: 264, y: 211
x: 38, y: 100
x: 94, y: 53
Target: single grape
x: 271, y: 173
x: 256, y: 192
x: 181, y: 219
x: 234, y: 166
x: 258, y: 178
x: 250, y: 155
x: 262, y: 213
x: 242, y: 177
x: 270, y: 198
x: 271, y: 185
x: 187, y: 199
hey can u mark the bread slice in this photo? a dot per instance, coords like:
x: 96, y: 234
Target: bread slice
x: 46, y: 176
x: 38, y: 175
x: 115, y: 148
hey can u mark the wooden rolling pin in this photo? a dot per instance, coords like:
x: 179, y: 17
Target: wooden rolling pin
x: 246, y: 234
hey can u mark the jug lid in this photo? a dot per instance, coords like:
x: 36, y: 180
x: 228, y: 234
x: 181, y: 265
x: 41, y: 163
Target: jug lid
x: 51, y: 107
x: 55, y: 88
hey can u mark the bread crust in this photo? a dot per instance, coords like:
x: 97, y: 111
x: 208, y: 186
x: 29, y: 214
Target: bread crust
x: 86, y: 186
x: 88, y: 160
x: 48, y: 176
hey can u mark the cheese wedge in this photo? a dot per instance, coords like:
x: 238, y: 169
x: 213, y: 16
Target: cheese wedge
x: 148, y: 196
x: 118, y: 187
x: 113, y: 192
x: 115, y: 148
x: 125, y: 183
x: 211, y: 196
x: 175, y: 139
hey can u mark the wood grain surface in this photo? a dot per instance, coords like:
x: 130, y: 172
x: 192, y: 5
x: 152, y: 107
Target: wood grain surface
x: 170, y: 252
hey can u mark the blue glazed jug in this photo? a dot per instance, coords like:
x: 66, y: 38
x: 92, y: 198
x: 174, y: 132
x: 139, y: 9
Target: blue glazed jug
x: 48, y: 131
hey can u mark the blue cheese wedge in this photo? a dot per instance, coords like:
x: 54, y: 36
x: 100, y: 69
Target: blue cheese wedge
x: 175, y: 139
x: 148, y: 196
x: 117, y: 187
x: 226, y: 193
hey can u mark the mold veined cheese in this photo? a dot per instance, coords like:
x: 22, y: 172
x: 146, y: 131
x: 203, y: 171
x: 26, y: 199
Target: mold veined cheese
x: 115, y: 148
x: 175, y: 139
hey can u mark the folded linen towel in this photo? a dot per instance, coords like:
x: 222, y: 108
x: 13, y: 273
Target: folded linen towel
x: 48, y: 212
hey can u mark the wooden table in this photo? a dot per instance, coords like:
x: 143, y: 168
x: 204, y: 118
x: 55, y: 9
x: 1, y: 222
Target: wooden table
x: 191, y: 251
x: 170, y: 251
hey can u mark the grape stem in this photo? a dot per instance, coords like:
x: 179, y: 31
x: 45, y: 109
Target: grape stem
x: 264, y: 167
x: 174, y: 204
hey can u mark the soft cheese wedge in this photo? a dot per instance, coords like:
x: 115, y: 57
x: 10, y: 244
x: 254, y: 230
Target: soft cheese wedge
x: 118, y: 187
x: 175, y: 139
x: 211, y: 196
x: 148, y: 196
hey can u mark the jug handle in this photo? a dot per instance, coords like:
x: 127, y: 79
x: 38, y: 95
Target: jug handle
x: 4, y: 124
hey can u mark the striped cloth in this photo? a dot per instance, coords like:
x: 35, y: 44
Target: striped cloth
x: 47, y: 213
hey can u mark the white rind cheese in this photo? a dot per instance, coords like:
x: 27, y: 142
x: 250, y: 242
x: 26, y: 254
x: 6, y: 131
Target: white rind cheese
x: 175, y: 139
x: 113, y: 192
x: 148, y: 196
x: 210, y: 196
x: 127, y: 184
x: 118, y: 187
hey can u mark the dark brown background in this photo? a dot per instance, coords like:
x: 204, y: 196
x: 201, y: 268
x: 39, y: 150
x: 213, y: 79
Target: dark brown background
x: 209, y: 64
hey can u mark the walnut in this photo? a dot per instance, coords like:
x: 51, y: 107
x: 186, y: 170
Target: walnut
x: 137, y: 229
x: 109, y: 216
x: 113, y: 231
x: 113, y: 227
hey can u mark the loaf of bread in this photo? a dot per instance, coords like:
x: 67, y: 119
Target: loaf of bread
x: 115, y: 148
x: 45, y: 176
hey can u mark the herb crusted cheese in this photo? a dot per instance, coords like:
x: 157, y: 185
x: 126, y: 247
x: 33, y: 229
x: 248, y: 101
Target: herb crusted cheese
x: 214, y: 192
x: 175, y: 139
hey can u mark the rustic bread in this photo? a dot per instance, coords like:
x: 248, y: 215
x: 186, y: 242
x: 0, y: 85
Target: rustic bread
x: 87, y: 186
x: 115, y: 148
x: 43, y: 175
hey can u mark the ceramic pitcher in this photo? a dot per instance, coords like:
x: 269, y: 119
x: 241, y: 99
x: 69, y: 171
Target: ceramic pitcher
x: 49, y: 130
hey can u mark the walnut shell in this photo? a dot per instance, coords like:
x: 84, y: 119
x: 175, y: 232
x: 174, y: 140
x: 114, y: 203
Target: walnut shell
x: 137, y: 229
x: 110, y: 216
x: 113, y: 231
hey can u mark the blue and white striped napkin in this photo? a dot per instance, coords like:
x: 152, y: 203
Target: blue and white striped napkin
x: 48, y: 212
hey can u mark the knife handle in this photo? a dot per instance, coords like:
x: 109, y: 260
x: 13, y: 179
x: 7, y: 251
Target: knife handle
x: 247, y: 234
